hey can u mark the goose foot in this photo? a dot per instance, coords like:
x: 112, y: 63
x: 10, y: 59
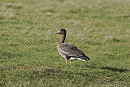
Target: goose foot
x: 70, y: 62
x: 66, y: 62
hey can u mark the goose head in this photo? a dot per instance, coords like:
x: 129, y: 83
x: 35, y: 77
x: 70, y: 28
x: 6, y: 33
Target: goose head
x: 61, y: 32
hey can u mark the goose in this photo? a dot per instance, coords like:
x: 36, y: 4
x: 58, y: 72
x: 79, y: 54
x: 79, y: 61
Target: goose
x: 69, y: 52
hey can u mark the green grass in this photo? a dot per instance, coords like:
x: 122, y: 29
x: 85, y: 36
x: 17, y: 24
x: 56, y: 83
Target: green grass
x: 28, y: 52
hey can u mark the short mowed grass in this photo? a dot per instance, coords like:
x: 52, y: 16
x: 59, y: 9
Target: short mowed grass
x: 28, y: 43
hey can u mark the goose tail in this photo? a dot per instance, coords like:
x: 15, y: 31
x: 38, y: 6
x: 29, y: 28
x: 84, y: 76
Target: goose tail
x: 85, y: 58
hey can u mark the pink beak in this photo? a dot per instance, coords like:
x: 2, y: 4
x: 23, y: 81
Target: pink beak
x: 57, y: 32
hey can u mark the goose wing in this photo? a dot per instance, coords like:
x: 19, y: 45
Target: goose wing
x: 70, y: 50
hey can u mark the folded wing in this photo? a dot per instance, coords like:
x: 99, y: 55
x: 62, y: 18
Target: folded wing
x: 72, y: 51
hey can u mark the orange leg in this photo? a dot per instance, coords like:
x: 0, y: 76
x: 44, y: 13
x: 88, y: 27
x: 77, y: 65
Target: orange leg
x: 70, y: 62
x: 66, y: 62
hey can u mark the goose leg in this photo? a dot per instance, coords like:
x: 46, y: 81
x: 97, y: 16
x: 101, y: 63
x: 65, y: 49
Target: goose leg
x: 66, y: 62
x: 70, y: 62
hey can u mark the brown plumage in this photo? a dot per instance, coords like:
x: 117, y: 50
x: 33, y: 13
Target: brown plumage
x: 69, y: 52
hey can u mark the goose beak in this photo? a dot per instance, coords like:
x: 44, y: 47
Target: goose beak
x: 57, y: 32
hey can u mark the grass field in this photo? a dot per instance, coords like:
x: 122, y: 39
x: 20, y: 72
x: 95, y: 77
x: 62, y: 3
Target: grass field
x: 28, y: 45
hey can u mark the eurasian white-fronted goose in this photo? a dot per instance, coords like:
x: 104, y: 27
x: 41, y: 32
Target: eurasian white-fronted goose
x: 69, y: 52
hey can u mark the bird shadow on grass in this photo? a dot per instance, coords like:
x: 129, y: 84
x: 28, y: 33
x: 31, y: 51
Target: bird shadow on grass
x: 115, y: 69
x: 110, y: 68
